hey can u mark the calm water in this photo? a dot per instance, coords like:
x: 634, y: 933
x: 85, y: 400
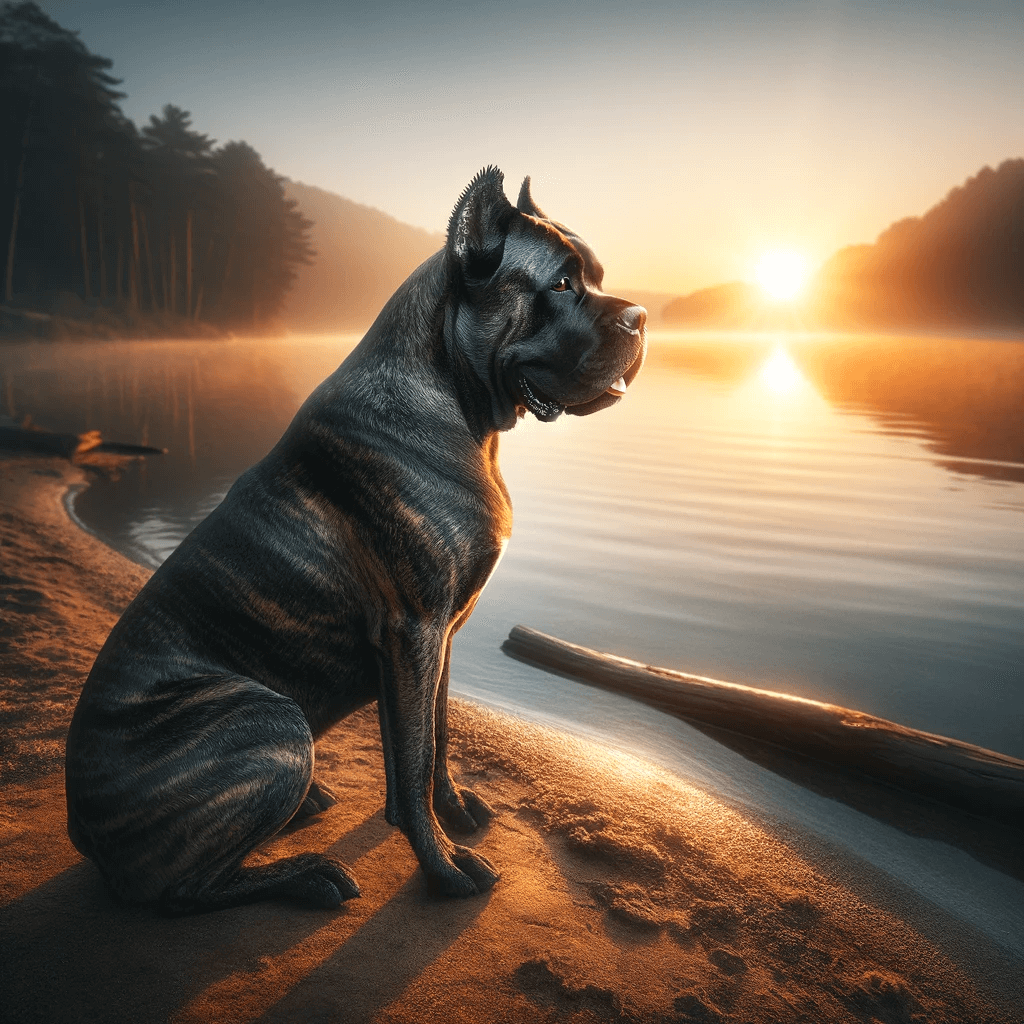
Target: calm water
x: 841, y: 518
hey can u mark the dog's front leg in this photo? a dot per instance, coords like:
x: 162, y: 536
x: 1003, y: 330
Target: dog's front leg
x: 460, y: 809
x: 411, y: 662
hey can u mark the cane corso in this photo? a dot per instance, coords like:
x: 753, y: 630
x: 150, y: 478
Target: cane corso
x: 335, y: 573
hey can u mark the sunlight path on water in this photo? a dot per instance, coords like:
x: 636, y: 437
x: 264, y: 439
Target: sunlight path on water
x: 766, y: 537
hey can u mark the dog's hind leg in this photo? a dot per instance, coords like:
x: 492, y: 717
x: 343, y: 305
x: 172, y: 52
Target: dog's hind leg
x: 169, y: 793
x: 311, y: 878
x: 460, y: 809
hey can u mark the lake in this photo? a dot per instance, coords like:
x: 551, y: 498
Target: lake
x: 837, y: 517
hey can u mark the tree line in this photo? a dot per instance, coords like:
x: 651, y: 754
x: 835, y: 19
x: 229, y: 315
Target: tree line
x: 158, y: 221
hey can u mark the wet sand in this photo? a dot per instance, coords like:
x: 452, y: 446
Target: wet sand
x: 626, y: 894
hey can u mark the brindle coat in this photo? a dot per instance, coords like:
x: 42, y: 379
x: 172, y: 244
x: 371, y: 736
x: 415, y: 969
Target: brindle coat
x: 335, y: 573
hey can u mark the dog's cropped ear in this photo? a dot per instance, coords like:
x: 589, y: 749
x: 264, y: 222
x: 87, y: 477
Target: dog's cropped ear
x: 525, y: 203
x: 479, y: 224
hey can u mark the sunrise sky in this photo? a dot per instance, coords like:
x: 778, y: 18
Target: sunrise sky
x: 681, y: 140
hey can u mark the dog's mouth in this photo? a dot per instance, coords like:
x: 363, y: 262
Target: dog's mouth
x: 537, y: 402
x: 614, y: 392
x: 546, y: 409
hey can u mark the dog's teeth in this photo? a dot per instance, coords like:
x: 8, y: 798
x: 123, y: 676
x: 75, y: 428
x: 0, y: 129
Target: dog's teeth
x: 618, y: 388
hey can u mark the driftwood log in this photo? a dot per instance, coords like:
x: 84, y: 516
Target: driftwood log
x: 972, y: 778
x: 67, y: 446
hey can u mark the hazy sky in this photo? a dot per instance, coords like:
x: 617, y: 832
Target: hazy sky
x: 680, y: 139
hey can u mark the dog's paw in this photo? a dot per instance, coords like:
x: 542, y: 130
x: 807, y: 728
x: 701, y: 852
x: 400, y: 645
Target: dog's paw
x: 483, y: 873
x: 470, y: 875
x: 461, y: 810
x: 478, y: 807
x: 324, y: 882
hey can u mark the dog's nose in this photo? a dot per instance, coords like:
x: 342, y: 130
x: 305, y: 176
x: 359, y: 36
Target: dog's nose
x: 633, y: 318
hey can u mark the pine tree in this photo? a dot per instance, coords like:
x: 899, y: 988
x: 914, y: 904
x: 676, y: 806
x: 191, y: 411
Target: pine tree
x: 181, y: 177
x: 58, y: 116
x: 263, y: 237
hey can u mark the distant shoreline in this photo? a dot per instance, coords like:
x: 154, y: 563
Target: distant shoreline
x: 102, y: 323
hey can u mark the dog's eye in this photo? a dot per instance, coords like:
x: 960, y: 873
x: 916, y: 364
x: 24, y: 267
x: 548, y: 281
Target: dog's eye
x: 562, y: 285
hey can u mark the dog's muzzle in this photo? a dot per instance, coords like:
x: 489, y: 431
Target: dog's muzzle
x: 632, y: 321
x: 629, y: 321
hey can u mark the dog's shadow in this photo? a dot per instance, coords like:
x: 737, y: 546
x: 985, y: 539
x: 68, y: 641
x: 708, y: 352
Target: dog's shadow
x: 72, y: 953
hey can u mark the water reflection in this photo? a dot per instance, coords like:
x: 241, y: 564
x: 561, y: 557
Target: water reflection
x: 224, y: 403
x: 779, y: 374
x: 835, y: 517
x: 965, y: 396
x: 216, y: 407
x: 962, y: 397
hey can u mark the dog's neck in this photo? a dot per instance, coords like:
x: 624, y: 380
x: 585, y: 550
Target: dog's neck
x: 419, y: 326
x: 416, y: 330
x: 486, y: 408
x: 409, y: 326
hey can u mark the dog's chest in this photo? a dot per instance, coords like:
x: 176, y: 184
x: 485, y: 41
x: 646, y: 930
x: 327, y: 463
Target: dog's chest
x: 494, y: 565
x: 483, y: 518
x: 478, y: 538
x: 475, y: 548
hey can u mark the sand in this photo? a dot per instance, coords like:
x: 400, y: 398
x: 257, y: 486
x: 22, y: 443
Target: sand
x: 626, y: 894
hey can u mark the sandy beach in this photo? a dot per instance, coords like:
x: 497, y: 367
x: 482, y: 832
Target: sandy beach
x: 626, y: 893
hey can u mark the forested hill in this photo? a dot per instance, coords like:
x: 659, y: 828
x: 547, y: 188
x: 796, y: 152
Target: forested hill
x: 961, y: 264
x: 361, y: 256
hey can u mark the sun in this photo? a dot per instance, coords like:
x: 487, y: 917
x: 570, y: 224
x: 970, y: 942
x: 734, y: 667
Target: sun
x: 782, y: 274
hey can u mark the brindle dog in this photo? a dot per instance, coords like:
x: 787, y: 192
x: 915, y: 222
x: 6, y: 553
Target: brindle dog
x: 335, y: 573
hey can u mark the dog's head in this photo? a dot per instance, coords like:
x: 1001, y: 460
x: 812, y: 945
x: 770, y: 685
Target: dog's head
x: 527, y: 314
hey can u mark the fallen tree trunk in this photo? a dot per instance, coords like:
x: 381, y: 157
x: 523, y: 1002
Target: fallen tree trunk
x: 46, y: 442
x: 970, y: 777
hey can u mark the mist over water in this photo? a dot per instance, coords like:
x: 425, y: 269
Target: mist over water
x: 840, y: 518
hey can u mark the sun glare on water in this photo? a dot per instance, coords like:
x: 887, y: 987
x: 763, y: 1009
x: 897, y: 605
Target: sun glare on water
x: 782, y: 274
x: 779, y: 374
